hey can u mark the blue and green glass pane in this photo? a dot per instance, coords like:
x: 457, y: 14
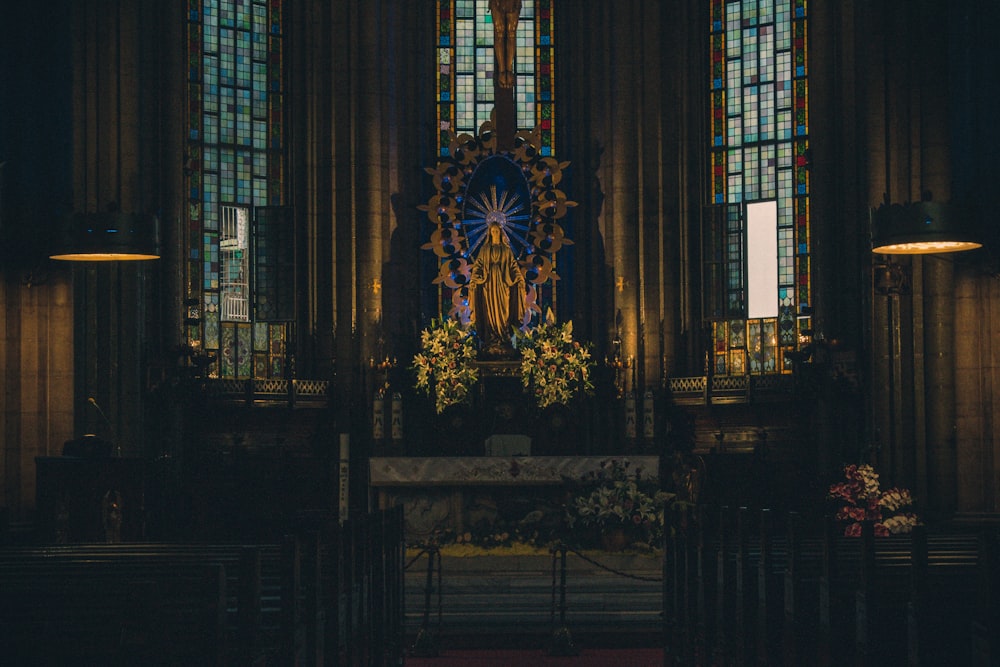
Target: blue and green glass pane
x: 734, y: 30
x: 244, y: 177
x: 783, y: 25
x: 275, y: 14
x: 801, y: 167
x: 225, y: 13
x: 718, y: 177
x: 804, y: 282
x: 446, y: 56
x: 802, y: 231
x: 799, y: 48
x: 786, y: 256
x: 545, y: 74
x: 227, y: 57
x: 243, y: 60
x: 718, y: 61
x: 801, y: 108
x: 210, y: 261
x: 227, y: 174
x: 243, y: 17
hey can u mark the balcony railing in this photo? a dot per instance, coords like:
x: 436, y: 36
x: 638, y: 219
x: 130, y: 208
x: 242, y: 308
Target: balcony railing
x: 726, y: 389
x: 255, y: 391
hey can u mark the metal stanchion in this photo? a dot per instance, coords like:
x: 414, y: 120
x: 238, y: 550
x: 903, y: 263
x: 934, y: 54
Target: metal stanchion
x: 425, y: 644
x: 562, y: 638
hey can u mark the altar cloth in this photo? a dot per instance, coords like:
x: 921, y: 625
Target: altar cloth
x: 496, y: 470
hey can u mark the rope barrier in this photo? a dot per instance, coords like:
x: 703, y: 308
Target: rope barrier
x: 612, y: 570
x: 423, y: 552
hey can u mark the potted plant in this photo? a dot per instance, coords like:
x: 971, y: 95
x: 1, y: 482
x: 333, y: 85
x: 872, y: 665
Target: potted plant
x: 620, y: 504
x: 862, y: 500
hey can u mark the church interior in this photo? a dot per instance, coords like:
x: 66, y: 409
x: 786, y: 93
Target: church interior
x: 415, y: 282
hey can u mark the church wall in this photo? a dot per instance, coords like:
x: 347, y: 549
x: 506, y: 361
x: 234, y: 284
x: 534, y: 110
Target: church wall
x: 361, y: 97
x: 36, y: 326
x: 975, y: 93
x: 632, y: 120
x: 909, y: 140
x: 618, y: 146
x: 838, y: 166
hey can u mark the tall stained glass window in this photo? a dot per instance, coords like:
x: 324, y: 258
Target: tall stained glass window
x: 465, y: 69
x: 234, y: 165
x: 759, y: 153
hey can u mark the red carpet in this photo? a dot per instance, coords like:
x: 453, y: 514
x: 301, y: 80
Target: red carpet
x: 595, y: 657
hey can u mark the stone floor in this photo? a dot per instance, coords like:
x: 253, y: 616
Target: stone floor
x: 636, y: 657
x: 509, y: 601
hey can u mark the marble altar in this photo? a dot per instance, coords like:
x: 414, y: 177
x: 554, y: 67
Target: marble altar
x: 460, y: 493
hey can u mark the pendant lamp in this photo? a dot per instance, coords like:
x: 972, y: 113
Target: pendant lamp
x: 921, y: 228
x: 108, y: 237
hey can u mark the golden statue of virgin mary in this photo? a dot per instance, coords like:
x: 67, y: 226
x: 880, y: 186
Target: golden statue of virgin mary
x: 496, y: 293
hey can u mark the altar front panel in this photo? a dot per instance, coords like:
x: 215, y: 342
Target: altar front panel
x: 461, y: 494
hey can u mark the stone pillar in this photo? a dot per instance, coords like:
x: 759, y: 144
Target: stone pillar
x: 621, y: 180
x: 124, y: 161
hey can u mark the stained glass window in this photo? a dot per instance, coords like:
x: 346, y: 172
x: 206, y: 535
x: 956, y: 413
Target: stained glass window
x: 465, y: 69
x: 233, y: 165
x: 759, y: 152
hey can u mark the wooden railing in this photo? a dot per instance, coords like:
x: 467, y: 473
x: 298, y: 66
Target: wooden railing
x: 727, y: 389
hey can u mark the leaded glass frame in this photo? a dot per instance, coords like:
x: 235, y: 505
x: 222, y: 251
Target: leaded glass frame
x: 465, y: 67
x: 234, y: 161
x: 759, y: 151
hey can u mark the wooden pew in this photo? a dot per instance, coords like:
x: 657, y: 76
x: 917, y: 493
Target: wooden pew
x: 100, y: 613
x: 254, y: 627
x: 327, y: 594
x: 800, y: 593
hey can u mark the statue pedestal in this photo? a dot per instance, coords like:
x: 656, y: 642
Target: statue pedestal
x: 502, y: 406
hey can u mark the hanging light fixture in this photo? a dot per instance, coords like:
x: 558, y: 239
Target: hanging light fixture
x: 920, y: 228
x: 108, y: 237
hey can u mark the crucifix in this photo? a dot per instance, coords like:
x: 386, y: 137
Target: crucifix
x: 505, y: 16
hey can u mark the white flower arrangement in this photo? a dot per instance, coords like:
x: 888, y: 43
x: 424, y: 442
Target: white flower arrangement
x: 619, y: 497
x: 446, y: 367
x: 554, y: 367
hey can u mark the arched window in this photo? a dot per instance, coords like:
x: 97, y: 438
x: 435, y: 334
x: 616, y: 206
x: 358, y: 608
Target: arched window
x: 757, y: 268
x: 465, y: 69
x: 237, y: 303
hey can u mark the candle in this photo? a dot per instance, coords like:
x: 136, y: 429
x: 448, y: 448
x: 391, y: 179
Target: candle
x: 345, y: 446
